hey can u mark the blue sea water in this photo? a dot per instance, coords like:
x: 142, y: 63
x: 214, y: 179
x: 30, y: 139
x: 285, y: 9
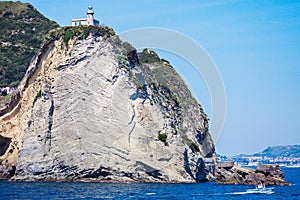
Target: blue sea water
x: 28, y: 190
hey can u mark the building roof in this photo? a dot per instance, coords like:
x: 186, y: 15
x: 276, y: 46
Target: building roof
x: 76, y: 20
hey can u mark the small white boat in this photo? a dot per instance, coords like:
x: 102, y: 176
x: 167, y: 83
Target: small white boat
x: 261, y: 189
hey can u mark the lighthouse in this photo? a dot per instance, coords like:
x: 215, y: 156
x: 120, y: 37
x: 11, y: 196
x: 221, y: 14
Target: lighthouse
x: 90, y: 16
x: 88, y: 21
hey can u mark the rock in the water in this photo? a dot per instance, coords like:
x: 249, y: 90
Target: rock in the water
x: 232, y: 173
x: 91, y: 110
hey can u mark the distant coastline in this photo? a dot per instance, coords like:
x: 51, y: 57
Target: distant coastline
x: 284, y: 156
x: 281, y: 165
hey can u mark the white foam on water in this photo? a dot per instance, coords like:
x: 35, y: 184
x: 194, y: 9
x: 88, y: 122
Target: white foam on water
x: 150, y: 193
x: 241, y: 193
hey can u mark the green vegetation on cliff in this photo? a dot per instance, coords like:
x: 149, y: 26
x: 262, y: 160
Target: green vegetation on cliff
x: 22, y: 32
x: 79, y: 32
x: 163, y: 137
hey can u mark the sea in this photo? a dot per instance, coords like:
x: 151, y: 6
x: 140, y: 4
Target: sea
x: 209, y: 190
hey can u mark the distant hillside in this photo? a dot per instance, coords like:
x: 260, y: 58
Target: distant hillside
x: 285, y: 155
x: 21, y: 35
x: 277, y: 151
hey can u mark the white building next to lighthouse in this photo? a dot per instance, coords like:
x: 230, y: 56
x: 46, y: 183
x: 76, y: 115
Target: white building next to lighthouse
x: 88, y: 21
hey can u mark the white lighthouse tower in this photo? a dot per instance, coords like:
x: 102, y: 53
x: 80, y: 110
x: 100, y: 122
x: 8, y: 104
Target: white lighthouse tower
x: 90, y: 16
x: 88, y: 21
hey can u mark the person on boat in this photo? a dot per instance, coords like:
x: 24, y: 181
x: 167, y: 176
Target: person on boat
x: 261, y: 186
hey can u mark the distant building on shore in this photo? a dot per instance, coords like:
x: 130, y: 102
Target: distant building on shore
x: 89, y: 21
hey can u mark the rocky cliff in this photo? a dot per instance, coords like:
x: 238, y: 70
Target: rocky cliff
x: 91, y: 108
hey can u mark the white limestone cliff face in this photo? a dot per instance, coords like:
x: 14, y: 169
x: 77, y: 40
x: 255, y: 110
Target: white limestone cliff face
x: 92, y: 123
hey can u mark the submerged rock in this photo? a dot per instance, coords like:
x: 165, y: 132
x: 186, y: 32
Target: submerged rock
x: 91, y: 108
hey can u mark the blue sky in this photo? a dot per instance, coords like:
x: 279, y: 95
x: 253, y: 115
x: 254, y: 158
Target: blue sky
x: 255, y: 45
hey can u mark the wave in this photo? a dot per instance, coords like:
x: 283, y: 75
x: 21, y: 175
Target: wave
x: 241, y: 193
x: 150, y: 193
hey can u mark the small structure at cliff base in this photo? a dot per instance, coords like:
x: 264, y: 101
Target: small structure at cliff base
x: 88, y: 21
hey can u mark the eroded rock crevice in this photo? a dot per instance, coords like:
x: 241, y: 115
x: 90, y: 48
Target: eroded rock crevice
x: 4, y: 144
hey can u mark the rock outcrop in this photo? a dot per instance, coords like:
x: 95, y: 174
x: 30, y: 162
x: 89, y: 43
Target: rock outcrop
x: 232, y: 173
x: 91, y: 108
